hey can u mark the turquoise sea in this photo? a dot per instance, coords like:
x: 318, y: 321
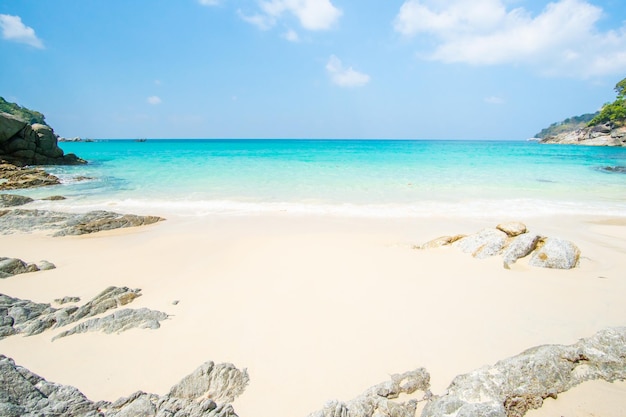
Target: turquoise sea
x: 378, y: 178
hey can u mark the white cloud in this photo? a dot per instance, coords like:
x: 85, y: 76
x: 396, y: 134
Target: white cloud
x: 154, y: 100
x: 345, y: 77
x: 494, y: 100
x: 209, y: 2
x: 14, y: 30
x: 562, y: 40
x: 291, y: 35
x: 312, y: 14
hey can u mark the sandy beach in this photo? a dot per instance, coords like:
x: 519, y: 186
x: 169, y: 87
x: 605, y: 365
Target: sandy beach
x: 318, y: 308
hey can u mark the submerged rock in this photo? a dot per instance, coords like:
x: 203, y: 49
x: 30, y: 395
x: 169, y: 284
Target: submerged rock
x: 12, y: 200
x: 23, y: 393
x: 65, y: 224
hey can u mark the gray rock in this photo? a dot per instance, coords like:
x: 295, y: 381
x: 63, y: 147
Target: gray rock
x: 54, y: 198
x: 378, y: 401
x: 14, y: 178
x: 64, y: 224
x: 13, y: 266
x: 118, y: 322
x: 520, y: 247
x: 25, y: 394
x: 10, y: 126
x: 67, y: 299
x: 556, y: 253
x: 12, y: 200
x: 220, y: 383
x: 513, y: 386
x: 486, y: 243
x: 600, y: 135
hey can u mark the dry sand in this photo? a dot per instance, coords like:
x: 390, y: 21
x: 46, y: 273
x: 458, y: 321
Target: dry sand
x: 317, y: 308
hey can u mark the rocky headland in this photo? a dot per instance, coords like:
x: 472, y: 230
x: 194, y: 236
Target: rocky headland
x: 22, y: 143
x: 599, y: 135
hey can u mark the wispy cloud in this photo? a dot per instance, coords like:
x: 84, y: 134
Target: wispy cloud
x: 154, y: 100
x: 312, y: 14
x: 291, y: 35
x: 345, y: 77
x: 494, y: 100
x: 14, y: 30
x: 561, y: 40
x: 209, y: 2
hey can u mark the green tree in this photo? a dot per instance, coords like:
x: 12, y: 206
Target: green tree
x: 27, y: 115
x: 614, y: 112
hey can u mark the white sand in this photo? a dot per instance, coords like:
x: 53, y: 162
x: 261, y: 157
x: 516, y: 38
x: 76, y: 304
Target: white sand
x: 316, y: 308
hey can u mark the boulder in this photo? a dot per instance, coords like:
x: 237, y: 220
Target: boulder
x: 486, y: 243
x: 12, y: 200
x: 13, y: 177
x: 512, y: 229
x: 14, y: 266
x: 220, y: 383
x: 520, y: 247
x: 10, y: 126
x: 556, y: 253
x: 440, y: 241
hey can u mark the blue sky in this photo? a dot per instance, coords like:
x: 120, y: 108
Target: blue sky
x: 423, y: 69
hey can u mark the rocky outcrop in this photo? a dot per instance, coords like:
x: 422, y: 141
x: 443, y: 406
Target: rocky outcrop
x: 23, y: 393
x: 221, y: 383
x: 65, y: 224
x: 27, y: 318
x: 14, y: 266
x: 600, y: 135
x: 380, y: 400
x: 13, y: 177
x: 515, y: 385
x: 513, y: 241
x: 24, y: 144
x: 12, y: 200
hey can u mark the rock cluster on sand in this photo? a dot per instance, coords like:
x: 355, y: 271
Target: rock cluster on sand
x: 65, y: 224
x: 28, y: 318
x: 22, y: 393
x: 509, y: 388
x: 14, y: 266
x: 513, y: 241
x: 599, y: 135
x: 13, y: 177
x: 24, y: 144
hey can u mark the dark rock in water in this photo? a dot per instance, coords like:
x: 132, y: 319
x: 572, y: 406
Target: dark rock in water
x: 23, y: 393
x: 613, y: 169
x: 13, y: 177
x: 515, y: 385
x: 14, y: 266
x: 64, y: 224
x: 12, y: 200
x: 54, y: 198
x: 24, y: 144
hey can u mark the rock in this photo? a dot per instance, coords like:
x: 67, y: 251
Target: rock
x: 25, y: 144
x: 520, y: 247
x: 600, y: 135
x: 515, y: 385
x: 67, y: 299
x: 440, y: 241
x: 23, y: 316
x: 54, y: 198
x: 13, y: 177
x: 118, y: 322
x: 220, y: 383
x: 512, y: 229
x: 486, y: 243
x: 556, y: 253
x: 14, y: 266
x: 12, y: 200
x: 23, y: 393
x: 378, y: 400
x: 63, y: 224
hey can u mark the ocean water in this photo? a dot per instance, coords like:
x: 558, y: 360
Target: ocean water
x: 372, y: 178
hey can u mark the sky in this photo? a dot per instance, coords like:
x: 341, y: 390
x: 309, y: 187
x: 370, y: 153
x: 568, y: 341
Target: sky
x: 398, y: 69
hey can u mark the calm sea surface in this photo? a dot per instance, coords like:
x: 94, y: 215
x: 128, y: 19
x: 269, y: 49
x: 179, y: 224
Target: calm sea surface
x: 346, y: 177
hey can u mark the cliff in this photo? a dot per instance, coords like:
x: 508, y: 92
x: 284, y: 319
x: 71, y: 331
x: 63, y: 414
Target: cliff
x: 598, y: 135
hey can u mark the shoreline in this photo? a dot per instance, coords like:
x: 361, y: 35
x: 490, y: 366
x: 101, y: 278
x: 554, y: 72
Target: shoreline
x: 316, y: 307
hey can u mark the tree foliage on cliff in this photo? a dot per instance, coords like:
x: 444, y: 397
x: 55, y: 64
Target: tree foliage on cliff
x: 23, y: 113
x: 568, y: 125
x: 614, y: 112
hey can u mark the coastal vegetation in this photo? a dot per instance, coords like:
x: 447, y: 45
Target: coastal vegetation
x: 568, y: 125
x: 27, y: 115
x: 615, y: 112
